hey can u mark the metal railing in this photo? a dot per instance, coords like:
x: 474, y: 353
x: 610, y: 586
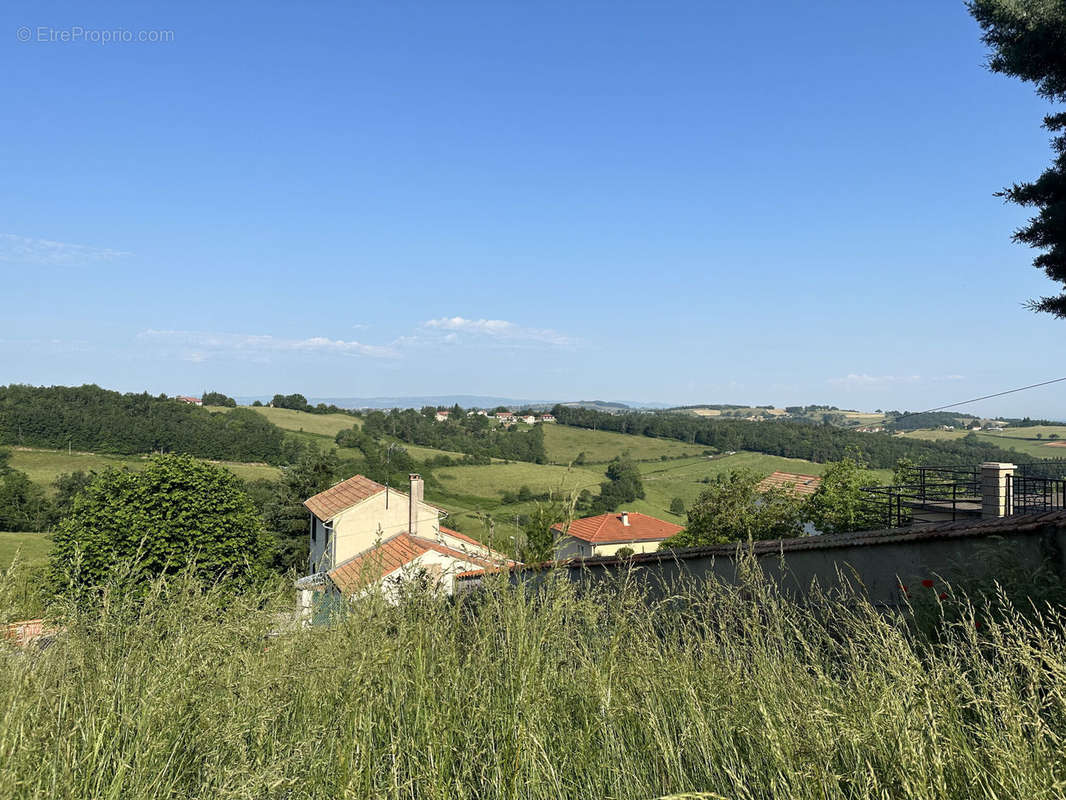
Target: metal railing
x: 939, y: 494
x: 936, y: 494
x: 1027, y: 494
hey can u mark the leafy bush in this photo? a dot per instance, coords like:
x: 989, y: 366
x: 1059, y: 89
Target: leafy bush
x: 733, y: 509
x: 175, y: 513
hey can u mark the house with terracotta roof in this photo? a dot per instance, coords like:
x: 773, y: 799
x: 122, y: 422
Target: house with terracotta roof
x: 363, y: 533
x: 606, y: 534
x: 442, y: 416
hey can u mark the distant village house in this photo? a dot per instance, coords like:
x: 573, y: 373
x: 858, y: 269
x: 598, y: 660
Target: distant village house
x: 606, y: 534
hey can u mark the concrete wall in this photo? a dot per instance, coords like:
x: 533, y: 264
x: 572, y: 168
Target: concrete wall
x: 876, y: 564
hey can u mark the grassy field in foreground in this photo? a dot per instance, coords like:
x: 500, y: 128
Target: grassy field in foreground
x: 44, y: 466
x: 565, y: 694
x: 32, y: 548
x: 564, y: 443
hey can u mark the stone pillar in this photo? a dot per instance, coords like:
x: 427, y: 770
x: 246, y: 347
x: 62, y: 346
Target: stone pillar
x: 994, y: 500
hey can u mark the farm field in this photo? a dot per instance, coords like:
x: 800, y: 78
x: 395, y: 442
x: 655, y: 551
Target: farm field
x: 684, y: 478
x: 464, y: 491
x: 1044, y: 432
x: 322, y: 424
x: 490, y: 480
x: 564, y: 443
x: 44, y: 466
x: 1027, y: 447
x: 32, y: 548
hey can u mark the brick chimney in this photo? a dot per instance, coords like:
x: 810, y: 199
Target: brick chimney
x: 625, y: 518
x: 417, y: 488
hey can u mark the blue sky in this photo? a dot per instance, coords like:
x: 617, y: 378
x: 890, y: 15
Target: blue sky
x: 683, y: 202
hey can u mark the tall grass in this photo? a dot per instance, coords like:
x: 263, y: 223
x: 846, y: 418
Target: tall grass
x: 510, y: 694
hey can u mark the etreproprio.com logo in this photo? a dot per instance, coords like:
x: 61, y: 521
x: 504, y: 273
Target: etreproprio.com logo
x: 46, y: 34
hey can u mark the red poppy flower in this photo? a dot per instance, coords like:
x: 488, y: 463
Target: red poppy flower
x: 928, y: 584
x: 943, y: 595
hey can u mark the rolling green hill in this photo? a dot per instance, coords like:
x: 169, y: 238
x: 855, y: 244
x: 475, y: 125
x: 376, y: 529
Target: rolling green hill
x: 670, y: 468
x: 44, y: 466
x: 564, y: 444
x: 321, y: 424
x: 1021, y: 440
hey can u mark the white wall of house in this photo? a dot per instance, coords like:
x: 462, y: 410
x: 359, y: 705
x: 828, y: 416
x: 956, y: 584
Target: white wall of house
x: 572, y: 547
x: 360, y: 527
x: 437, y: 567
x: 637, y: 547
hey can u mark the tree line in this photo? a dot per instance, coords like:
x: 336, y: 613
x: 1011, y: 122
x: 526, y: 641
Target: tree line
x: 473, y: 434
x: 788, y: 438
x: 102, y: 421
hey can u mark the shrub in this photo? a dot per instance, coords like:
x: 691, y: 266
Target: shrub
x: 176, y: 512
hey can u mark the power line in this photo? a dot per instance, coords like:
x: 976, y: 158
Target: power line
x: 985, y: 397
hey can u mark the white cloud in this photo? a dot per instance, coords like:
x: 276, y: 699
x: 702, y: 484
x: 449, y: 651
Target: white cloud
x: 200, y: 345
x: 497, y: 329
x: 22, y: 249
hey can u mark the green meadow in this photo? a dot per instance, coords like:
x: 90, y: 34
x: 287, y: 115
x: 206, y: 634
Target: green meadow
x: 31, y: 548
x: 322, y: 424
x: 44, y: 466
x: 565, y: 444
x: 1021, y: 440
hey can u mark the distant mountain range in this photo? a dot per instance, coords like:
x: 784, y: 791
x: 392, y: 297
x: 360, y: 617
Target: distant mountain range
x: 464, y: 400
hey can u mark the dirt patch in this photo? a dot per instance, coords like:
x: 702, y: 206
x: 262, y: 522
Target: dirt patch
x: 1054, y: 444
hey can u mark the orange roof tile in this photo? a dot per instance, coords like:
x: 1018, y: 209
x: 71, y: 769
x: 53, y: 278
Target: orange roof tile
x: 470, y: 540
x: 326, y: 505
x: 800, y: 484
x: 608, y: 528
x: 462, y: 536
x: 388, y: 557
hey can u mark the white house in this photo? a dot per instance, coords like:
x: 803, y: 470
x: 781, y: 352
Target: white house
x: 547, y: 418
x: 606, y: 534
x: 365, y: 534
x: 442, y: 416
x: 529, y: 419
